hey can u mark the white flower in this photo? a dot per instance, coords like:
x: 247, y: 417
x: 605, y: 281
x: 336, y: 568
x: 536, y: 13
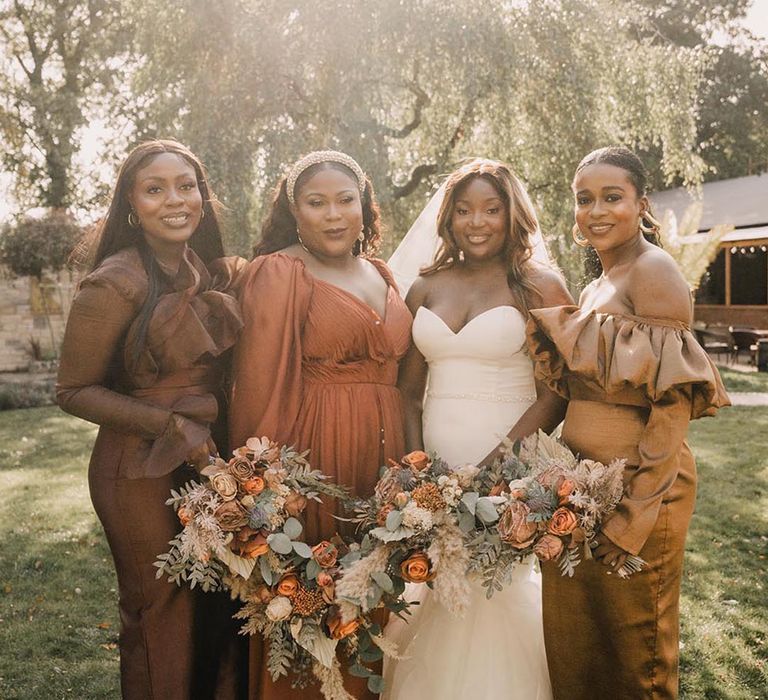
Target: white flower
x: 279, y: 608
x: 466, y: 474
x: 417, y: 518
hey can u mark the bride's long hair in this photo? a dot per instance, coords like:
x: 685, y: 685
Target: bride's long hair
x: 522, y: 225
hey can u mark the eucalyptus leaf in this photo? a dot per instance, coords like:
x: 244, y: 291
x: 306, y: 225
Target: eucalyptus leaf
x: 469, y: 499
x: 280, y: 543
x: 466, y: 522
x: 292, y: 528
x: 376, y: 684
x: 303, y: 550
x: 384, y: 581
x: 486, y: 511
x: 381, y: 533
x: 312, y: 570
x: 266, y: 571
x: 394, y: 518
x: 360, y: 671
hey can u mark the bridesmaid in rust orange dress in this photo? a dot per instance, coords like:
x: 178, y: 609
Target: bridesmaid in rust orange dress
x: 635, y: 376
x: 316, y: 365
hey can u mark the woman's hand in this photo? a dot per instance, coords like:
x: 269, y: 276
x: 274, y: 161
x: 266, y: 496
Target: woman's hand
x: 608, y: 553
x: 200, y: 457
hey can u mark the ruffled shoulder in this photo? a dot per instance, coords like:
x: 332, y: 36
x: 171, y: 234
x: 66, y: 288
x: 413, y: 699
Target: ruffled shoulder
x: 615, y: 351
x: 275, y: 275
x: 124, y: 272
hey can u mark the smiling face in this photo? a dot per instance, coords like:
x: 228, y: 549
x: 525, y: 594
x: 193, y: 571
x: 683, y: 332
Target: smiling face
x: 608, y: 206
x: 328, y: 212
x: 167, y: 202
x: 480, y: 220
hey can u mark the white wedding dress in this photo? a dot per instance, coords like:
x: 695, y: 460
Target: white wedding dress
x: 480, y: 383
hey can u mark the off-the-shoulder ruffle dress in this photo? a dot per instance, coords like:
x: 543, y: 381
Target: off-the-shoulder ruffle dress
x: 633, y: 385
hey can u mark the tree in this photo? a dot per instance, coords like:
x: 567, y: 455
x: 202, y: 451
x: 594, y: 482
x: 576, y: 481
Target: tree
x: 55, y: 57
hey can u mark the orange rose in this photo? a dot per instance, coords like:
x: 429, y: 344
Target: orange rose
x: 514, y: 527
x: 337, y: 628
x: 325, y: 554
x: 563, y: 522
x: 254, y: 486
x: 295, y: 503
x: 384, y: 511
x: 417, y: 460
x: 249, y: 543
x: 230, y: 516
x: 548, y: 548
x: 417, y: 568
x: 564, y: 490
x: 327, y: 585
x: 185, y: 517
x: 288, y: 585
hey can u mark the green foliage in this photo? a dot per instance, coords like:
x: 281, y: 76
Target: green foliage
x: 18, y: 395
x: 33, y: 246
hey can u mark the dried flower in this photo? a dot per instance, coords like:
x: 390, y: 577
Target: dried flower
x: 279, y: 608
x: 295, y: 503
x: 428, y: 496
x: 308, y: 601
x: 249, y: 543
x: 401, y: 499
x: 384, y: 511
x: 225, y: 485
x: 499, y: 489
x: 418, y: 460
x: 389, y: 485
x: 417, y: 518
x: 241, y: 469
x: 254, y: 486
x: 288, y: 585
x: 417, y: 568
x: 563, y: 522
x: 337, y: 628
x: 231, y: 516
x: 184, y: 515
x: 263, y: 594
x: 325, y: 554
x: 514, y: 527
x: 548, y: 547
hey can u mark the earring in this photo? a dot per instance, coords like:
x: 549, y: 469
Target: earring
x: 133, y: 219
x: 578, y: 239
x: 361, y: 237
x: 202, y: 213
x: 301, y: 243
x: 654, y: 223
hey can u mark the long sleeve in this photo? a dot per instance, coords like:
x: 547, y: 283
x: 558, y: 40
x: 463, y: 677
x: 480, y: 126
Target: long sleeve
x: 267, y: 377
x: 630, y: 525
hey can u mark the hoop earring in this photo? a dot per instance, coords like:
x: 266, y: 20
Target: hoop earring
x: 133, y: 219
x: 652, y: 220
x: 202, y: 213
x: 301, y: 243
x: 578, y: 239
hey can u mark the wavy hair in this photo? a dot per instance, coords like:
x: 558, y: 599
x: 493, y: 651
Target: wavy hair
x: 522, y: 224
x: 279, y: 229
x: 114, y: 233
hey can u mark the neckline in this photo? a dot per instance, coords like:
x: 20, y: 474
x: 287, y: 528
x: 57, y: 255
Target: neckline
x: 381, y: 320
x: 474, y: 318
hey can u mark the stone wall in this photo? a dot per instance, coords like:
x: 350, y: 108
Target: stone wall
x: 23, y: 320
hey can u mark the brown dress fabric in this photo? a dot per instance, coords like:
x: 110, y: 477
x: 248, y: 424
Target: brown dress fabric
x: 633, y: 385
x: 152, y: 410
x: 316, y: 367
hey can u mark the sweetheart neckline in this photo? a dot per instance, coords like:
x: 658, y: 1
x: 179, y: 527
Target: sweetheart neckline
x: 474, y: 318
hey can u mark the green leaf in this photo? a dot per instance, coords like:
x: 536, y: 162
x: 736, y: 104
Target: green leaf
x: 292, y: 528
x: 376, y: 684
x: 384, y: 581
x: 312, y: 570
x: 360, y: 671
x: 470, y: 499
x: 381, y: 533
x: 303, y: 550
x: 394, y: 518
x: 466, y: 522
x: 486, y: 511
x: 372, y: 654
x: 266, y: 571
x: 280, y: 543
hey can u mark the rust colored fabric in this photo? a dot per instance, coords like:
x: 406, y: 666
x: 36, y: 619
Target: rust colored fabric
x: 633, y: 386
x: 152, y: 410
x: 316, y: 367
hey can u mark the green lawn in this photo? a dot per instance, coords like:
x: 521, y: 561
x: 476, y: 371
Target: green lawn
x: 744, y: 381
x: 58, y: 621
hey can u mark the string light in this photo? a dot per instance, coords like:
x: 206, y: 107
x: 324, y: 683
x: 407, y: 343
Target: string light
x: 733, y: 249
x: 751, y: 249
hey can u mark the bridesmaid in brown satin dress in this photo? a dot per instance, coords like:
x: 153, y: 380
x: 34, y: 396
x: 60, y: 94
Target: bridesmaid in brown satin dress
x: 635, y: 376
x: 142, y: 358
x: 316, y: 364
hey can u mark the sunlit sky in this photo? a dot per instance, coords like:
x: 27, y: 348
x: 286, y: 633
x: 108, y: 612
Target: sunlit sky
x: 94, y: 137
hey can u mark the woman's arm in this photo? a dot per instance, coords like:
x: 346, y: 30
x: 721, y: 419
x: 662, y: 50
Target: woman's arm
x: 412, y: 377
x: 547, y: 412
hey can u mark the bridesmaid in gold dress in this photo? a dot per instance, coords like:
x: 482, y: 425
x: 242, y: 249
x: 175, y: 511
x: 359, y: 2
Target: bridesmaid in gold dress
x: 635, y: 376
x: 316, y: 365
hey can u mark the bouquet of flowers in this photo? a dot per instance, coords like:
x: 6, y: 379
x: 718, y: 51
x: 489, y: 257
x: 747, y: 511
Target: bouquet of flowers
x: 242, y: 532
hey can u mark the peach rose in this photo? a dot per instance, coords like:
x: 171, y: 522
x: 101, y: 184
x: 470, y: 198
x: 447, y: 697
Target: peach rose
x: 548, y: 548
x: 499, y: 489
x: 249, y: 543
x: 563, y: 522
x: 254, y: 486
x: 231, y: 516
x: 327, y: 585
x: 288, y: 585
x: 241, y: 469
x: 514, y: 527
x: 325, y: 554
x: 564, y: 490
x: 417, y: 568
x: 295, y: 503
x: 418, y: 460
x: 337, y: 628
x: 184, y: 515
x: 225, y: 485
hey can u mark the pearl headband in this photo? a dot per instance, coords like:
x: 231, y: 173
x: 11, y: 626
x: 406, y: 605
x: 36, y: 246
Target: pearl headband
x: 322, y: 157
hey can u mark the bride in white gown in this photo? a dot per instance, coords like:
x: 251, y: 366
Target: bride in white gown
x: 467, y: 384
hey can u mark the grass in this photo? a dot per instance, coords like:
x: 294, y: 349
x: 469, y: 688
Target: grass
x: 744, y: 381
x: 58, y: 613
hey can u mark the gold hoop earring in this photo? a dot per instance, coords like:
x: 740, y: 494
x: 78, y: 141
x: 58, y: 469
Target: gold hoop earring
x: 652, y: 220
x: 578, y: 239
x: 133, y: 219
x: 301, y: 243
